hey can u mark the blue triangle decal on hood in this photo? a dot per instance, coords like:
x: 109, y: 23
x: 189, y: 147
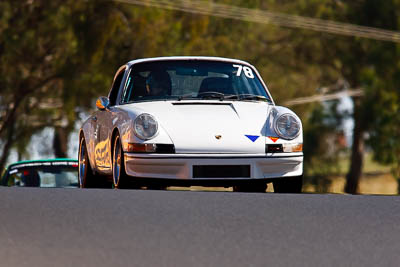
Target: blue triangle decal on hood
x: 253, y: 138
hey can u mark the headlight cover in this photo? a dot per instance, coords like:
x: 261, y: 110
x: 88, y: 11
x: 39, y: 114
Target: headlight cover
x: 287, y: 126
x: 145, y: 126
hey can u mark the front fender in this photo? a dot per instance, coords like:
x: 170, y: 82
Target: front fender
x: 123, y: 124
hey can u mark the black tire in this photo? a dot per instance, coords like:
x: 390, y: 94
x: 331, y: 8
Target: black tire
x: 118, y: 165
x: 251, y: 187
x: 85, y: 172
x: 289, y: 185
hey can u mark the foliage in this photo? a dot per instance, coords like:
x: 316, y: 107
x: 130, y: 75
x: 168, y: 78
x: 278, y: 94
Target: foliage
x: 46, y: 53
x: 322, y: 151
x: 384, y: 136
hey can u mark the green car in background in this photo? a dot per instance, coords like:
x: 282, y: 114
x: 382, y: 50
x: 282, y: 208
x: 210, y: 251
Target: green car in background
x: 42, y: 173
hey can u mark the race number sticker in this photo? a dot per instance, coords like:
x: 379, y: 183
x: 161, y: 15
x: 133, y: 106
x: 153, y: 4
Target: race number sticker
x: 247, y: 71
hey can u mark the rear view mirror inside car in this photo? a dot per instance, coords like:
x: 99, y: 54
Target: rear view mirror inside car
x: 191, y: 72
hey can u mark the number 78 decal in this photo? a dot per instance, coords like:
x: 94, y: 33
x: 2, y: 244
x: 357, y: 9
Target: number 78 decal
x: 247, y: 71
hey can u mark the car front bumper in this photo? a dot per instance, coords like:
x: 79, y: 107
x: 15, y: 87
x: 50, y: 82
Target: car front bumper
x: 183, y: 166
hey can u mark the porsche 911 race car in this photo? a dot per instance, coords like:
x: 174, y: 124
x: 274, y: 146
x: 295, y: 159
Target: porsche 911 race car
x: 191, y: 121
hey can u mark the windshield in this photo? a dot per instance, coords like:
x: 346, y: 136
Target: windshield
x: 43, y: 176
x: 193, y: 79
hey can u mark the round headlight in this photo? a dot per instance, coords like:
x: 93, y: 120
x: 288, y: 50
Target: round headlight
x: 287, y: 126
x: 145, y: 126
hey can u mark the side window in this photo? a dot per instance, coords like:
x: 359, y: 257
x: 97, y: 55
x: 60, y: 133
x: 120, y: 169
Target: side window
x: 114, y: 90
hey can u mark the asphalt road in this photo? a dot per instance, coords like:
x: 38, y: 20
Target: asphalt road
x: 74, y: 227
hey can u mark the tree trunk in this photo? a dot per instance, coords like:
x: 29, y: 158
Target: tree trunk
x: 357, y: 151
x: 7, y: 146
x: 60, y: 142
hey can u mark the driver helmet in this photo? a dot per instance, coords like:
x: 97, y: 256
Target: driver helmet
x: 158, y: 83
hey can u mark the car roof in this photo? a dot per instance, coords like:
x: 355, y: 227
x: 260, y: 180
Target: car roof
x: 221, y: 59
x: 23, y: 162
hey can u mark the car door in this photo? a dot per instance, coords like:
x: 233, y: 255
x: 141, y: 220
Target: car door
x: 96, y: 126
x: 105, y: 125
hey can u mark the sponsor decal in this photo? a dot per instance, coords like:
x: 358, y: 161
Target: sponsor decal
x: 274, y: 139
x: 253, y: 138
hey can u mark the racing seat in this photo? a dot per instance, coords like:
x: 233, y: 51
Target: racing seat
x: 216, y: 84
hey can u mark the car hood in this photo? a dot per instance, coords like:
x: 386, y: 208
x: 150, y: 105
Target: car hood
x: 211, y: 126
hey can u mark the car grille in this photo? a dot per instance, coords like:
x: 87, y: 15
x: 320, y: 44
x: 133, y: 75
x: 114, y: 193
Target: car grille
x: 221, y: 171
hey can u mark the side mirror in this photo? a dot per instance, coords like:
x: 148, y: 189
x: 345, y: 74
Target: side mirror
x: 102, y: 102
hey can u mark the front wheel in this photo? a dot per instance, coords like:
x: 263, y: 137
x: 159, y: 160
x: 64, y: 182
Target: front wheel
x: 118, y: 165
x: 288, y: 185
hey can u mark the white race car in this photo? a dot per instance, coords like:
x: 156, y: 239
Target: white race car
x: 205, y: 121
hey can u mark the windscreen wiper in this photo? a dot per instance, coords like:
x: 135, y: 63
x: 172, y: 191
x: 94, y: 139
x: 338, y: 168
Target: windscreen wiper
x: 203, y: 95
x: 221, y: 96
x: 253, y: 97
x: 187, y: 96
x: 211, y: 95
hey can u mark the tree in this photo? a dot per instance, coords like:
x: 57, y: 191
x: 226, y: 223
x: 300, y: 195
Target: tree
x: 359, y: 61
x: 384, y: 137
x: 46, y: 49
x: 366, y: 60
